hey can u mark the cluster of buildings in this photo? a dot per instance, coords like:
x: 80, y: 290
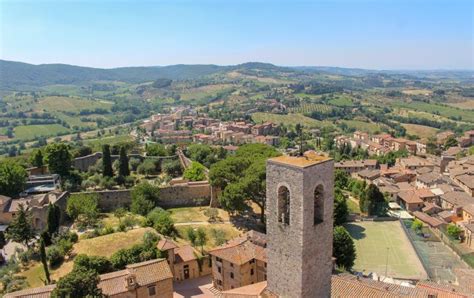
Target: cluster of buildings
x: 185, y: 126
x: 36, y: 204
x: 293, y: 259
x: 379, y: 144
x: 436, y: 190
x: 383, y: 143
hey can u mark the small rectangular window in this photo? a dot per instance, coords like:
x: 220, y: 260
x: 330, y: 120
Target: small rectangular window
x: 219, y: 269
x: 151, y: 291
x: 251, y: 271
x: 232, y: 275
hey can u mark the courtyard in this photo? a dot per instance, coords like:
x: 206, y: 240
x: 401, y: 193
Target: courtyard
x: 382, y: 247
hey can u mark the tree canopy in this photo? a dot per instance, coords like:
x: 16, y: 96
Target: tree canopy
x: 343, y: 248
x: 144, y: 198
x: 242, y: 177
x: 21, y: 228
x: 58, y: 158
x: 195, y: 172
x: 12, y: 178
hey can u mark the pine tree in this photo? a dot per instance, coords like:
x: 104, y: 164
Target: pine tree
x: 21, y: 229
x: 343, y: 248
x: 106, y: 162
x: 44, y: 261
x: 124, y: 170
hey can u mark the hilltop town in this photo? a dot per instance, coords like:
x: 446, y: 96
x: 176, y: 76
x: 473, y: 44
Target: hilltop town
x: 191, y: 205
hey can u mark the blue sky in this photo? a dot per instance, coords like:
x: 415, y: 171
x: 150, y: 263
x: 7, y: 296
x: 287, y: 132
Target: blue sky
x: 383, y: 34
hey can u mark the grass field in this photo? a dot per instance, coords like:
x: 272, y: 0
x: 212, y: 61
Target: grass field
x: 228, y: 229
x: 289, y: 119
x: 96, y: 144
x: 200, y: 93
x: 364, y: 126
x: 469, y: 104
x: 29, y: 132
x: 72, y: 104
x: 194, y: 214
x: 447, y: 111
x: 341, y: 101
x: 417, y: 91
x: 420, y: 130
x: 373, y: 240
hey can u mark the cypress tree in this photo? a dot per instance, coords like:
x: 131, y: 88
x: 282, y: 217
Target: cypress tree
x: 106, y: 161
x: 44, y: 261
x: 54, y: 216
x: 124, y: 170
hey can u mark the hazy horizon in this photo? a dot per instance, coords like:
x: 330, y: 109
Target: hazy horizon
x: 377, y: 35
x: 224, y: 65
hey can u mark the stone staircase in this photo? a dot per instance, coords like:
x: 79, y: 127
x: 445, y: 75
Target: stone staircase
x: 215, y: 292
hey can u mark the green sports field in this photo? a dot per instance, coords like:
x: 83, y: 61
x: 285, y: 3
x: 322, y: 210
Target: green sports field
x: 374, y: 240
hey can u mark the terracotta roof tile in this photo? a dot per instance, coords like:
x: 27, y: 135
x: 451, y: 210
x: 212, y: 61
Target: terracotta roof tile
x: 184, y: 254
x: 166, y: 244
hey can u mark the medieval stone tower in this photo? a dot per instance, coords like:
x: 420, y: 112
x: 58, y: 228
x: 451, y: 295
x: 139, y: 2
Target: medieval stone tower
x: 299, y: 214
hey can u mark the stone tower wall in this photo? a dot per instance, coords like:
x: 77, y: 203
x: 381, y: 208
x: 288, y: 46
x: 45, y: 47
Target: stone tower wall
x: 299, y: 255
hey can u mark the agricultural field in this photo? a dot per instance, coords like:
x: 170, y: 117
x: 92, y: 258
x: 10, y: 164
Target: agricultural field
x: 201, y: 93
x: 341, y: 101
x: 70, y: 104
x: 29, y: 132
x: 469, y: 104
x: 96, y: 144
x: 363, y: 126
x: 290, y: 119
x: 381, y: 243
x: 417, y: 91
x: 447, y: 111
x: 422, y: 131
x: 308, y: 108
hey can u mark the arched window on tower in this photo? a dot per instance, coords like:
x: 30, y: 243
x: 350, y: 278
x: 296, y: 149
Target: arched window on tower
x: 318, y: 204
x: 284, y: 205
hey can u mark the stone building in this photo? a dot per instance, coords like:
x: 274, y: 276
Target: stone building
x: 183, y: 260
x: 146, y: 279
x: 299, y: 225
x: 240, y: 262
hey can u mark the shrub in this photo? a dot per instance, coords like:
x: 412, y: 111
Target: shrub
x: 218, y: 236
x: 161, y: 221
x: 54, y: 255
x: 144, y: 198
x: 99, y: 264
x: 107, y: 230
x: 454, y: 231
x: 196, y: 172
x: 212, y: 214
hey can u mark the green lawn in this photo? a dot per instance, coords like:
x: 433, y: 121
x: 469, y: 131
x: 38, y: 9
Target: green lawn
x: 29, y: 132
x: 373, y: 240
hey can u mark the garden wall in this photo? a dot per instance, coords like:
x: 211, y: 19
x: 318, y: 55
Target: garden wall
x: 180, y: 195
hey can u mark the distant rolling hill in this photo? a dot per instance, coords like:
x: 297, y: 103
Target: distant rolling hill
x: 24, y: 76
x: 18, y: 75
